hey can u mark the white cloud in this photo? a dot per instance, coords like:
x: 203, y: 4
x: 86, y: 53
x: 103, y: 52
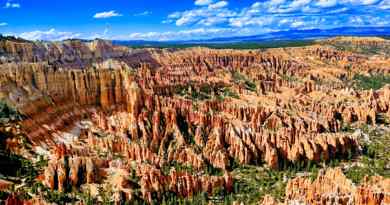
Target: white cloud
x: 284, y: 21
x: 174, y: 15
x: 356, y: 20
x: 218, y: 5
x: 326, y: 3
x: 190, y: 17
x: 203, y: 2
x: 206, y: 16
x: 297, y: 4
x: 385, y: 4
x: 106, y: 14
x: 49, y: 35
x: 256, y: 5
x: 200, y: 33
x: 145, y: 13
x: 362, y: 2
x: 340, y: 10
x: 263, y: 15
x: 309, y: 9
x: 369, y: 2
x: 11, y: 5
x: 245, y: 21
x: 212, y: 21
x: 276, y: 2
x: 379, y: 21
x: 277, y: 6
x: 3, y: 24
x: 297, y: 24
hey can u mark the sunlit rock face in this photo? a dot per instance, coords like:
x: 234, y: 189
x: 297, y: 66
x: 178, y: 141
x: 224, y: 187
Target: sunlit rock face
x: 97, y: 110
x: 332, y: 187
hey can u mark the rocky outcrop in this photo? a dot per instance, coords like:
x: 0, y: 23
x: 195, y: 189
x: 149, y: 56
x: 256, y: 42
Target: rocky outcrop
x: 334, y: 55
x: 68, y: 172
x: 332, y: 187
x: 374, y: 190
x: 43, y: 94
x: 329, y: 186
x: 70, y: 52
x: 97, y: 108
x: 181, y: 183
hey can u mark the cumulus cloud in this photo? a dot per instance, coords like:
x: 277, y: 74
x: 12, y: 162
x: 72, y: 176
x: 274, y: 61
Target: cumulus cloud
x: 335, y: 11
x: 49, y: 35
x: 261, y: 13
x: 248, y: 20
x: 276, y: 2
x: 299, y: 3
x: 265, y: 14
x: 218, y: 5
x: 189, y: 17
x: 293, y: 6
x: 203, y: 2
x: 200, y: 33
x: 385, y: 4
x: 205, y: 16
x: 326, y: 3
x: 145, y: 13
x: 214, y: 18
x: 106, y: 14
x: 356, y: 20
x: 297, y: 24
x: 9, y: 5
x: 362, y: 2
x: 369, y: 2
x: 211, y: 21
x: 3, y: 24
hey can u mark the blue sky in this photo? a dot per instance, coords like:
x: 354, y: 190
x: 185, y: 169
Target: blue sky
x: 181, y: 19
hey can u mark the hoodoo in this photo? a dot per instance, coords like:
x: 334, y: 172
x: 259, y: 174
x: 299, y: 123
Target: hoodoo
x: 98, y: 120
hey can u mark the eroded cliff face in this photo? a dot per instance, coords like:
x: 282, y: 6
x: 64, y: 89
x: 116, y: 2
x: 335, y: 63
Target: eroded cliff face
x: 178, y: 121
x: 72, y: 52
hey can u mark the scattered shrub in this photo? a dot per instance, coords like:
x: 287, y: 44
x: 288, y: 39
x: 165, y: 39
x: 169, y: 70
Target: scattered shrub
x: 373, y: 81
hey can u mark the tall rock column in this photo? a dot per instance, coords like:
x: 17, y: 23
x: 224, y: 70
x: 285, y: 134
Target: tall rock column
x: 134, y: 99
x: 134, y: 104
